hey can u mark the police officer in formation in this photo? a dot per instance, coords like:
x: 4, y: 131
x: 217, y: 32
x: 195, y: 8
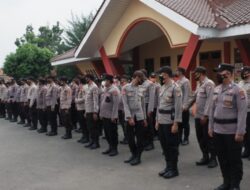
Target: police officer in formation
x: 227, y: 125
x: 203, y: 97
x: 169, y: 115
x: 142, y: 106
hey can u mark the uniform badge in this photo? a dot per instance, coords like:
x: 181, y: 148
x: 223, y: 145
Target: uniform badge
x: 242, y: 94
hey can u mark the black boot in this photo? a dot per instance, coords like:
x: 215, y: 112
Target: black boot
x: 107, y: 151
x: 163, y: 172
x: 223, y: 187
x: 149, y: 147
x: 124, y: 141
x: 136, y: 161
x: 51, y: 133
x: 68, y: 135
x: 42, y: 130
x: 173, y: 170
x: 203, y: 161
x: 21, y: 122
x: 132, y: 157
x: 212, y: 162
x: 95, y: 146
x: 245, y: 154
x: 81, y: 140
x: 185, y: 142
x: 113, y: 152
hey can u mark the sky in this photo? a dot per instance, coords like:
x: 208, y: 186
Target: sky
x: 15, y: 15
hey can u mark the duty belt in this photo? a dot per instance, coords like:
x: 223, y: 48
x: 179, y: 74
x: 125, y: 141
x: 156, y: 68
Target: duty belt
x: 166, y: 111
x: 225, y: 121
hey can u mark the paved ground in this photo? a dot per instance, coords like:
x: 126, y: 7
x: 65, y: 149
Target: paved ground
x: 30, y: 161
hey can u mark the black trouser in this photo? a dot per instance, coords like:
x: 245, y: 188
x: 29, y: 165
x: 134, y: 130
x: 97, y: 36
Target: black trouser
x: 184, y: 126
x: 110, y: 130
x: 205, y: 142
x: 136, y: 135
x: 73, y: 112
x: 57, y: 108
x: 170, y: 144
x: 2, y: 109
x: 14, y: 109
x: 33, y: 115
x: 66, y: 120
x: 52, y: 118
x: 82, y: 122
x: 26, y: 112
x: 8, y: 107
x: 154, y: 121
x: 149, y: 130
x: 121, y: 116
x: 21, y: 111
x: 43, y: 120
x: 93, y: 128
x: 247, y: 135
x: 229, y: 156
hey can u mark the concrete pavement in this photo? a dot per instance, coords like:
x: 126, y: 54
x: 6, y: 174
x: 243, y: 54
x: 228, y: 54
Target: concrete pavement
x: 32, y: 161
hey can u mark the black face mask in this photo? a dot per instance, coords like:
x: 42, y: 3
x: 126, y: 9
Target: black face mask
x: 161, y: 78
x: 244, y: 75
x: 140, y: 82
x: 220, y: 78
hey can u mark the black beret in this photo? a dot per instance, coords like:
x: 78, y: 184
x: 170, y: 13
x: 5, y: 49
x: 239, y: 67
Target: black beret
x: 166, y: 69
x: 182, y: 70
x: 108, y: 77
x: 245, y: 68
x: 223, y: 67
x: 200, y: 69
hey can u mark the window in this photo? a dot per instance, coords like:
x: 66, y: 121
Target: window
x: 237, y: 57
x: 165, y: 61
x: 149, y: 65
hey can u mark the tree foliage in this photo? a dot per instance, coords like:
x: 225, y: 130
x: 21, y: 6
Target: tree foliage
x: 29, y: 60
x: 78, y: 26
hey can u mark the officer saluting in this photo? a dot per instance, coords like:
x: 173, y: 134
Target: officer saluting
x: 245, y: 84
x: 227, y: 125
x: 169, y: 114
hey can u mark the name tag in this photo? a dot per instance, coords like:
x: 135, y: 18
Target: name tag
x: 228, y: 101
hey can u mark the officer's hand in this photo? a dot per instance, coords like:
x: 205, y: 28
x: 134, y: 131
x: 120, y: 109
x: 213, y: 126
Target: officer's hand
x: 210, y: 133
x: 131, y: 122
x: 239, y: 138
x: 204, y: 120
x: 145, y: 123
x: 52, y: 109
x: 114, y: 120
x: 156, y: 126
x: 174, y: 128
x: 95, y: 116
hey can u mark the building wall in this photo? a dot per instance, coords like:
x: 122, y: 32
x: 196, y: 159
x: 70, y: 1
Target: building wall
x: 160, y: 48
x: 177, y: 36
x: 86, y: 67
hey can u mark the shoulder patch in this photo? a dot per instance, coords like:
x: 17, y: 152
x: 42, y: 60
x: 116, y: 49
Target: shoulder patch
x: 242, y: 94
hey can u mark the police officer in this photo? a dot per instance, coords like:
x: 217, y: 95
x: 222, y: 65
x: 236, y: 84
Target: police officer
x: 3, y: 90
x: 124, y: 81
x: 149, y: 95
x: 74, y: 88
x: 185, y: 86
x: 33, y: 103
x: 51, y: 101
x: 245, y: 84
x: 24, y: 102
x: 169, y: 115
x: 109, y: 114
x: 153, y: 79
x: 65, y: 105
x: 80, y: 106
x: 227, y: 124
x: 135, y: 115
x: 12, y: 101
x: 92, y: 110
x: 203, y: 97
x: 41, y: 105
x: 18, y: 101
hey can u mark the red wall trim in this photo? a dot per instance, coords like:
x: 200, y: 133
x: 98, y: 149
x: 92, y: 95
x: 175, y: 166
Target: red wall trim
x: 227, y: 52
x: 108, y: 65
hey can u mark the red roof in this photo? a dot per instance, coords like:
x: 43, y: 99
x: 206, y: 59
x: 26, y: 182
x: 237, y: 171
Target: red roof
x: 219, y: 14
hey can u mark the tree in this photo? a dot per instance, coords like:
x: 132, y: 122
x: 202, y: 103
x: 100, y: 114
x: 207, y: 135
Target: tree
x: 69, y: 71
x: 78, y: 26
x: 29, y: 60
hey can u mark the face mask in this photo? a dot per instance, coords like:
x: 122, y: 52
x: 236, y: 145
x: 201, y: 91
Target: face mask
x: 140, y: 82
x: 244, y: 75
x: 220, y: 78
x: 161, y: 78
